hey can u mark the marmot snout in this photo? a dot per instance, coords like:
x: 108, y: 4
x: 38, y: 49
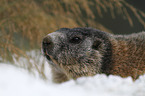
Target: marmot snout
x: 77, y: 52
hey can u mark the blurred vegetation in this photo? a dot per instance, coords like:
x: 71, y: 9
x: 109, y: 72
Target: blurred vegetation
x: 23, y: 23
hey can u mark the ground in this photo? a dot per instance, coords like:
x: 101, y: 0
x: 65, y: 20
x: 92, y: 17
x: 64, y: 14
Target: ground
x: 15, y: 81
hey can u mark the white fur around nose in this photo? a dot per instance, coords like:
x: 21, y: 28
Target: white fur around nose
x: 55, y: 36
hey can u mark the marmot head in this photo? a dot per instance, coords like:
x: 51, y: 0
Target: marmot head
x: 78, y: 51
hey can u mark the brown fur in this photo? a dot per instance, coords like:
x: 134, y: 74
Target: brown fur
x: 128, y: 56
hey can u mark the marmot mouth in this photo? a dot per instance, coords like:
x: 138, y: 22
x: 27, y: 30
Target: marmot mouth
x: 48, y: 57
x: 51, y: 60
x: 45, y: 52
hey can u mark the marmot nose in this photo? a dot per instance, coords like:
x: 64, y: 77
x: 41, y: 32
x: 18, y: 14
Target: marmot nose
x: 47, y: 45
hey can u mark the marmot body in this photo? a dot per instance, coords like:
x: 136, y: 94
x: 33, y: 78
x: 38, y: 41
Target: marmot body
x: 77, y: 52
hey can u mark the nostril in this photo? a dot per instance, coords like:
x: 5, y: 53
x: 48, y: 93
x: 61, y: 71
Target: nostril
x: 47, y: 41
x: 47, y: 45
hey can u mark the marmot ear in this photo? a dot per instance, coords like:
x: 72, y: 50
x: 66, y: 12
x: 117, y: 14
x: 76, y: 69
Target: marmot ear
x: 97, y: 44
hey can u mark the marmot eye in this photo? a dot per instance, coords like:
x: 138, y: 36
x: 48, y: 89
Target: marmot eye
x: 75, y: 40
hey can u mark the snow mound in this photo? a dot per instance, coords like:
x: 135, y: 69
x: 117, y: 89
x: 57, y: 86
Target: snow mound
x: 15, y: 81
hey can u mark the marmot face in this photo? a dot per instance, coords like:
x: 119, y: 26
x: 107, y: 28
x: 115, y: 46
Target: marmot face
x: 77, y: 52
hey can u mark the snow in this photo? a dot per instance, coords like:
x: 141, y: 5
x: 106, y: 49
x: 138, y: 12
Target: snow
x: 15, y: 81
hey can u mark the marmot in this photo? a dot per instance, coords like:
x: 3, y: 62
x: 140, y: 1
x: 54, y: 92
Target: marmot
x: 77, y: 52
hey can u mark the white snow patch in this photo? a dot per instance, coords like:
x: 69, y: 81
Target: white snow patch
x: 15, y: 81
